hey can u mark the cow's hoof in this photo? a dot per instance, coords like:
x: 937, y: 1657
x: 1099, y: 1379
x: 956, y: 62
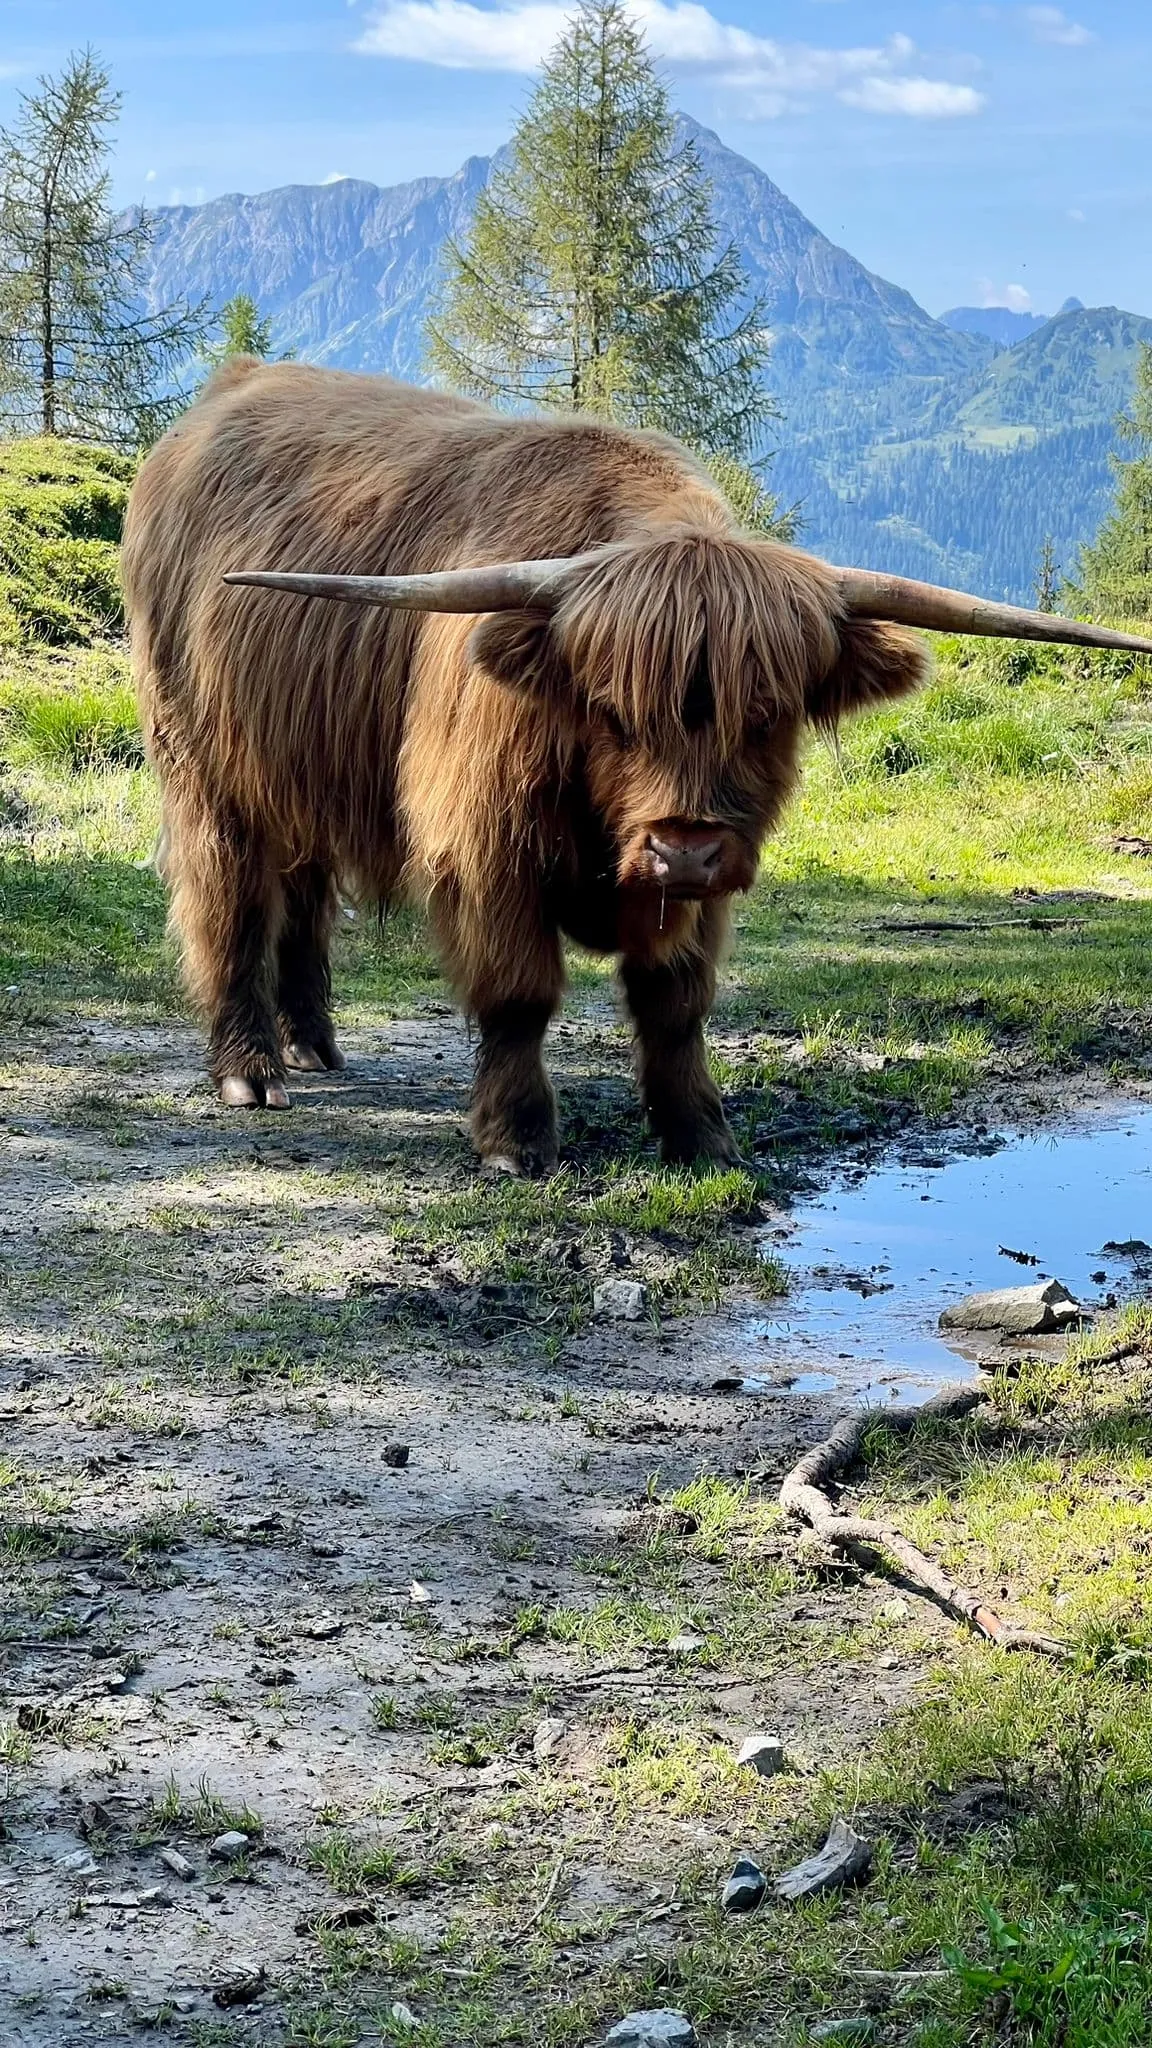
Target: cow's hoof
x: 238, y: 1092
x: 526, y: 1165
x: 303, y: 1058
x: 708, y: 1147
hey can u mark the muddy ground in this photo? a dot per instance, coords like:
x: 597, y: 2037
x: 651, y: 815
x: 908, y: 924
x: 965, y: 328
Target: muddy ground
x: 229, y: 1608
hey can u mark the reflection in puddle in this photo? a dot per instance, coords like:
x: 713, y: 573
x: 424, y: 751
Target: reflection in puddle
x: 873, y: 1264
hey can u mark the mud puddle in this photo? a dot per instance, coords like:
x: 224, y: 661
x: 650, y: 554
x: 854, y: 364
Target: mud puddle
x: 877, y: 1256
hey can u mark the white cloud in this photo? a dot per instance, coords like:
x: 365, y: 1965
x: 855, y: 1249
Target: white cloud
x: 336, y: 178
x: 1013, y: 296
x: 1077, y: 214
x: 1051, y: 25
x: 518, y: 35
x: 927, y: 99
x: 149, y: 177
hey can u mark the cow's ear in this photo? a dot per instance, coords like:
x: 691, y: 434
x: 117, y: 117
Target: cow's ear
x: 875, y: 662
x: 520, y: 651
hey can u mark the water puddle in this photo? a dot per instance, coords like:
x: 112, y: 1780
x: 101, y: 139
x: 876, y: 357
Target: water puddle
x: 875, y: 1258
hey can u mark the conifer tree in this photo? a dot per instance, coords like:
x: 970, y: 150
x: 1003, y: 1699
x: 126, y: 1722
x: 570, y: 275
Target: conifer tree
x: 79, y: 353
x: 592, y: 278
x: 242, y: 332
x: 1116, y: 571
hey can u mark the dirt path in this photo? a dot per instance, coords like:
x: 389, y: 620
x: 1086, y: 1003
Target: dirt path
x: 225, y: 1600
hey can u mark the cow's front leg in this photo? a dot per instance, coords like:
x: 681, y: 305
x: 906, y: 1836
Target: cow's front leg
x: 513, y: 1101
x: 669, y: 1000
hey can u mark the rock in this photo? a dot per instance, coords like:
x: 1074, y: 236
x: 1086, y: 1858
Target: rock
x: 845, y: 1859
x: 272, y: 1674
x: 241, y: 1986
x: 850, y: 2032
x: 360, y: 1914
x: 621, y: 1300
x: 686, y: 1644
x: 663, y: 2029
x: 228, y: 1846
x: 546, y: 1739
x: 745, y: 1888
x: 1017, y: 1311
x: 403, y: 2016
x: 764, y: 1754
x: 177, y: 1864
x: 322, y: 1628
x: 419, y: 1593
x: 396, y: 1455
x: 1126, y: 1247
x: 78, y: 1863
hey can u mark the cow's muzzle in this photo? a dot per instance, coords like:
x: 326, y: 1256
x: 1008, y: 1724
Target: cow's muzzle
x: 691, y: 860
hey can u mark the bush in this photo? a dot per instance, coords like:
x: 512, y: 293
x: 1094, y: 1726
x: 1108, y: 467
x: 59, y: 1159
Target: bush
x: 61, y: 514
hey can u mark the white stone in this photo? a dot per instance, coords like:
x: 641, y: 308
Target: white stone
x: 763, y: 1754
x: 1017, y: 1311
x: 623, y: 1300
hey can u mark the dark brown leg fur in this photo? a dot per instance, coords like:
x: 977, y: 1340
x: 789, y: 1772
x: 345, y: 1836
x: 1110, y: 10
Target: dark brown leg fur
x: 669, y: 1002
x: 513, y: 1103
x: 304, y: 981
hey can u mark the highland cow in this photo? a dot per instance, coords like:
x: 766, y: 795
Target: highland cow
x: 528, y: 671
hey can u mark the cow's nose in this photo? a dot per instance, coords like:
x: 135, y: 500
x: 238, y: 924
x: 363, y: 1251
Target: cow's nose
x: 683, y: 864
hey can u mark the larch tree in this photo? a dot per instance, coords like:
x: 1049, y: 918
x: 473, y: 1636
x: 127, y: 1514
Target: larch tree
x: 593, y: 277
x: 1116, y: 571
x: 79, y: 352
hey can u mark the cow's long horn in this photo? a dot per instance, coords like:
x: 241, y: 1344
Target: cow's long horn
x: 870, y: 595
x: 494, y: 587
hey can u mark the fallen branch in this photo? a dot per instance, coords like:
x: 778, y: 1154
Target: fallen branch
x: 803, y: 1494
x: 984, y: 924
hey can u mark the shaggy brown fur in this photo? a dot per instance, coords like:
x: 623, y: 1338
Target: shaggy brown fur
x: 608, y: 773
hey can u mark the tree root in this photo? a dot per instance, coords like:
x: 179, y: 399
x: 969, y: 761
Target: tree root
x: 803, y: 1494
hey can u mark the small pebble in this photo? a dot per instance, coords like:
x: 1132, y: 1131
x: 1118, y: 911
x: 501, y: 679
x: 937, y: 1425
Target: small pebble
x: 745, y: 1888
x: 622, y: 1300
x: 403, y: 2015
x: 396, y: 1455
x: 547, y: 1738
x: 686, y: 1643
x: 764, y: 1754
x: 177, y: 1864
x: 228, y: 1846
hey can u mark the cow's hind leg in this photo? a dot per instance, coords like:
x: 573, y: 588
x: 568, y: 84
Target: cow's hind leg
x: 304, y: 980
x: 227, y: 906
x: 669, y: 1000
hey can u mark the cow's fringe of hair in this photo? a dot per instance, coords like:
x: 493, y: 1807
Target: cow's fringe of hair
x: 635, y: 626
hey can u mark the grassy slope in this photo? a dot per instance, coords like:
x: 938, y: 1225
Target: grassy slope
x: 1011, y: 774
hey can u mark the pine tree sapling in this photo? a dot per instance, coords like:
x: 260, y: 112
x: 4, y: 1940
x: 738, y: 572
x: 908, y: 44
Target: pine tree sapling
x: 591, y: 278
x: 242, y: 333
x: 1116, y: 572
x: 80, y: 355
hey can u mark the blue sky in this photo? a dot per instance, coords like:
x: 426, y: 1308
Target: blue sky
x: 972, y: 152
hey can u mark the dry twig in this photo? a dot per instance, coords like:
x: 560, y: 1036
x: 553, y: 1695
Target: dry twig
x: 804, y: 1495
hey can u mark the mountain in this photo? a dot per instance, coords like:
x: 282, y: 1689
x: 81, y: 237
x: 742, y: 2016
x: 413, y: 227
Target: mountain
x: 914, y: 444
x: 999, y: 323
